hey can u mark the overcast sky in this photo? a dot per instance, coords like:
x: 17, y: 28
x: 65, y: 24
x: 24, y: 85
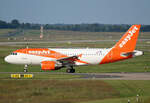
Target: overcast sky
x: 76, y: 11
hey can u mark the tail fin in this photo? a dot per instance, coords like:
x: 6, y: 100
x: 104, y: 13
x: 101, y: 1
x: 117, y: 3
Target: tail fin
x: 128, y: 42
x: 124, y: 46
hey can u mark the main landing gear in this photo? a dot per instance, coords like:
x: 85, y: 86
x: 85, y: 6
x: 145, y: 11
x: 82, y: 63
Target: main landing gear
x: 26, y: 68
x: 70, y: 69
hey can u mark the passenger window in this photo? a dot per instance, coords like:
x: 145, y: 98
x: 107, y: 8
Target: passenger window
x: 13, y: 54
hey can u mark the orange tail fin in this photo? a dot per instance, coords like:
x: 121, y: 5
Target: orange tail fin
x: 128, y: 42
x: 125, y: 45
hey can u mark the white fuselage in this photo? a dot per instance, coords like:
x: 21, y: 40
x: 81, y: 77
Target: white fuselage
x: 91, y: 56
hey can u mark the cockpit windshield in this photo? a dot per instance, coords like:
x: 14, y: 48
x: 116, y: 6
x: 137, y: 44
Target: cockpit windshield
x: 13, y: 54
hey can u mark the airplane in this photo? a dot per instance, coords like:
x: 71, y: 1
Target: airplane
x: 57, y: 58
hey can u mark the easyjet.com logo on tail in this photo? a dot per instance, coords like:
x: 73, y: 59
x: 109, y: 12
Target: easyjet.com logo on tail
x: 128, y: 37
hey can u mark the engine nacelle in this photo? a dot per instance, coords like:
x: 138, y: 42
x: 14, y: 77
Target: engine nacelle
x: 50, y: 65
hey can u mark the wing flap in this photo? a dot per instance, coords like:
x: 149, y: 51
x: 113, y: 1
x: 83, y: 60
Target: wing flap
x: 71, y: 58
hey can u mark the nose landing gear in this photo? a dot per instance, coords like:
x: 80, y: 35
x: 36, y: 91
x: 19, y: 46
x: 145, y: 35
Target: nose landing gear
x: 26, y: 68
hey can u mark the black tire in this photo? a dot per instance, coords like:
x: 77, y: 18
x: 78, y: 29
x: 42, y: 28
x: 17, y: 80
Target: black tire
x: 25, y: 70
x: 70, y: 70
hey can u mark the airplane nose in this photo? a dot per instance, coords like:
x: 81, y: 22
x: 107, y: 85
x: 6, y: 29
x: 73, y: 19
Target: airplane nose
x: 6, y: 59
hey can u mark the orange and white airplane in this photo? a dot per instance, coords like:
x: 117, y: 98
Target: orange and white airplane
x: 54, y: 58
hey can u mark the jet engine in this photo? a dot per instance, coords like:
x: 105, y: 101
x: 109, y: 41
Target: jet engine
x: 50, y: 65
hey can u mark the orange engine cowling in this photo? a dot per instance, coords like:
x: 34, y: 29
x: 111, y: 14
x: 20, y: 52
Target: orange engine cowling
x: 48, y: 65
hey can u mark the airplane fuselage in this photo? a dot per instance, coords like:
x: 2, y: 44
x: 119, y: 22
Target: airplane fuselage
x: 88, y: 56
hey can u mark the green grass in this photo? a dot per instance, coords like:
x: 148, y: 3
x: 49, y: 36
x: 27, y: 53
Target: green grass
x: 128, y: 90
x: 122, y: 100
x: 72, y: 91
x: 53, y: 91
x: 55, y: 35
x: 6, y: 31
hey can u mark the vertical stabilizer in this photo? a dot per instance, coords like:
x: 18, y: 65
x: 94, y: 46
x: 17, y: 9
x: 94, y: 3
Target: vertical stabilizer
x: 125, y: 45
x: 128, y: 42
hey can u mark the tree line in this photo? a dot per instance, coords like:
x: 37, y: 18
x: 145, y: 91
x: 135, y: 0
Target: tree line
x: 95, y: 27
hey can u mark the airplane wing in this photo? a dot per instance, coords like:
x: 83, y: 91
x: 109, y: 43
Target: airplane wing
x: 70, y: 59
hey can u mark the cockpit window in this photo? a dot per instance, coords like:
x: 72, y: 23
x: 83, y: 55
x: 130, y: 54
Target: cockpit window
x: 13, y: 53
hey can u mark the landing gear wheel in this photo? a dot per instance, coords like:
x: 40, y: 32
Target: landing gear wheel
x: 70, y: 70
x: 73, y: 70
x: 25, y: 68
